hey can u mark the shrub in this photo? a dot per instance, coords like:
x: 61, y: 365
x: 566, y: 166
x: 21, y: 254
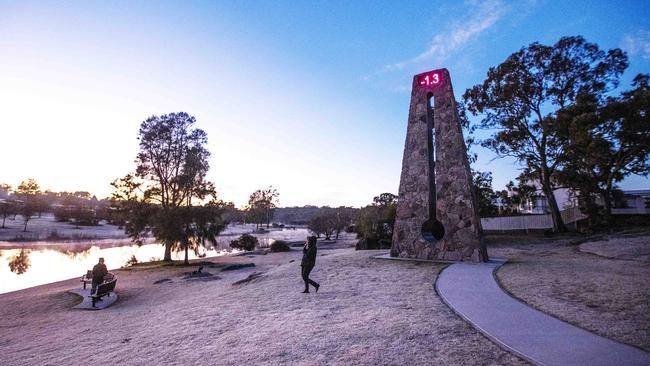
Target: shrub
x: 280, y: 246
x: 373, y: 243
x: 132, y: 261
x: 62, y: 214
x: 54, y: 235
x: 375, y: 222
x: 84, y: 216
x: 245, y: 242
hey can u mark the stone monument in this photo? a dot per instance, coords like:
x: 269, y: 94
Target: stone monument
x: 437, y: 216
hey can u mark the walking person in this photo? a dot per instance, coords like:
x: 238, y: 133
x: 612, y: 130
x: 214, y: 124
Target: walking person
x: 308, y: 262
x: 99, y: 271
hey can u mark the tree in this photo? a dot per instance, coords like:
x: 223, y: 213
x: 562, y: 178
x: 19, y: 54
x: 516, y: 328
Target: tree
x: 385, y: 199
x: 62, y: 213
x: 375, y: 222
x: 605, y: 141
x: 261, y: 204
x: 171, y: 167
x: 6, y: 205
x: 203, y: 224
x: 84, y: 216
x: 627, y: 128
x: 343, y: 219
x: 482, y: 185
x: 254, y: 214
x: 131, y: 209
x: 231, y: 213
x: 521, y: 96
x: 583, y: 171
x: 6, y: 188
x: 28, y: 192
x: 324, y: 224
x: 515, y: 196
x: 47, y: 199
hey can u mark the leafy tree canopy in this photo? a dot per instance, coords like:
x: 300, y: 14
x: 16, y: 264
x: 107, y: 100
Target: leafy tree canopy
x: 521, y: 96
x: 169, y: 180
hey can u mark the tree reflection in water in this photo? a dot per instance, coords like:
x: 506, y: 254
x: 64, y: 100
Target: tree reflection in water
x: 75, y: 252
x: 19, y: 264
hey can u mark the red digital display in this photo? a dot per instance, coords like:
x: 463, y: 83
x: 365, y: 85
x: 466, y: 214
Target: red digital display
x: 431, y: 78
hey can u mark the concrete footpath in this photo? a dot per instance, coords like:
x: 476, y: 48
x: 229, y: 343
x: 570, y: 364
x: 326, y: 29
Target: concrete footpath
x: 472, y: 292
x: 87, y: 302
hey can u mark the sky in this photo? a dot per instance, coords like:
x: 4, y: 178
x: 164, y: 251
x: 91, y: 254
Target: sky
x: 310, y: 97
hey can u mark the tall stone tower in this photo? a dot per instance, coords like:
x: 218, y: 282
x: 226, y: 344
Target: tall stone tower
x: 436, y: 210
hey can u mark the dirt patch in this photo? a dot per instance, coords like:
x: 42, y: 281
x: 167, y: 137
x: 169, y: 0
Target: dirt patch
x: 248, y: 279
x: 61, y: 301
x: 234, y: 267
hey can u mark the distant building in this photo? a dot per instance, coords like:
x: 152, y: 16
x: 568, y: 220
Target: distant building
x: 4, y: 194
x: 538, y: 205
x: 637, y: 201
x: 563, y: 196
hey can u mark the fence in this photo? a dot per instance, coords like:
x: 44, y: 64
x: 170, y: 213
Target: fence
x: 529, y: 222
x: 631, y: 211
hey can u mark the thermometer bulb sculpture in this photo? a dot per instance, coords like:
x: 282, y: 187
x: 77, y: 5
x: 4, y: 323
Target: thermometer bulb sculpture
x: 436, y: 216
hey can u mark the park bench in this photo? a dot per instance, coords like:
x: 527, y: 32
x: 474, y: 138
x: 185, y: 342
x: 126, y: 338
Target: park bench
x: 103, y: 290
x: 87, y: 278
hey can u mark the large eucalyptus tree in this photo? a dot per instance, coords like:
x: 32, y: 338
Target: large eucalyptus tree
x: 519, y: 100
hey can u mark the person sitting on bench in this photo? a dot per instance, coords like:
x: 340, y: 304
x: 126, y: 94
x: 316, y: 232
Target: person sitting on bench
x: 99, y: 271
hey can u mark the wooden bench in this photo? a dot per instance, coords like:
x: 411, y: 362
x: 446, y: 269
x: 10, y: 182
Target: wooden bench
x: 87, y: 278
x: 103, y: 290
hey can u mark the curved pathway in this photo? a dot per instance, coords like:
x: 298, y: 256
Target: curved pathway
x: 472, y: 292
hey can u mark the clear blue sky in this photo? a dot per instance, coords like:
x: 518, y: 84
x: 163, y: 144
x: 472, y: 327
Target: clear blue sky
x: 311, y: 97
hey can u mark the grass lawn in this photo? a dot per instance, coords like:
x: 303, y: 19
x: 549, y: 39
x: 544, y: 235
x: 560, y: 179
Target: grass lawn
x: 607, y: 293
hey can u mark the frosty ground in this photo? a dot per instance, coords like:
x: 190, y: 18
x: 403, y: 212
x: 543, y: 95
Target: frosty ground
x: 47, y: 228
x: 366, y: 312
x: 600, y: 283
x: 46, y: 231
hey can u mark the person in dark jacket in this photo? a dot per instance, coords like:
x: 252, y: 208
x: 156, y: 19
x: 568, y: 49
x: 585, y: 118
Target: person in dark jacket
x: 308, y: 262
x: 99, y: 271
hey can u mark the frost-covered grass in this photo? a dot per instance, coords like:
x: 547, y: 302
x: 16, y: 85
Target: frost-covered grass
x: 601, y: 285
x: 46, y: 231
x: 47, y: 228
x: 367, y: 312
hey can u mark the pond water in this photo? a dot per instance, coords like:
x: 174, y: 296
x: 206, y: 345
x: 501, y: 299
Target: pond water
x: 38, y: 263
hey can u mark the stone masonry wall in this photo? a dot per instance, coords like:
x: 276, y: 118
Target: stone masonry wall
x: 454, y: 203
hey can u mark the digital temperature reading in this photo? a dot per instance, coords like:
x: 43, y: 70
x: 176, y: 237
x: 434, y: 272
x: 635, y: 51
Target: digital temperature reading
x: 430, y: 78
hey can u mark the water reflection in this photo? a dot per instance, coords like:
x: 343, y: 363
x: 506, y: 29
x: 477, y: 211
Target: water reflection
x: 19, y: 264
x: 23, y: 268
x: 75, y: 252
x: 51, y: 265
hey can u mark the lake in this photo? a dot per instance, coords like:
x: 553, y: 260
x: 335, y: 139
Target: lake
x: 36, y: 263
